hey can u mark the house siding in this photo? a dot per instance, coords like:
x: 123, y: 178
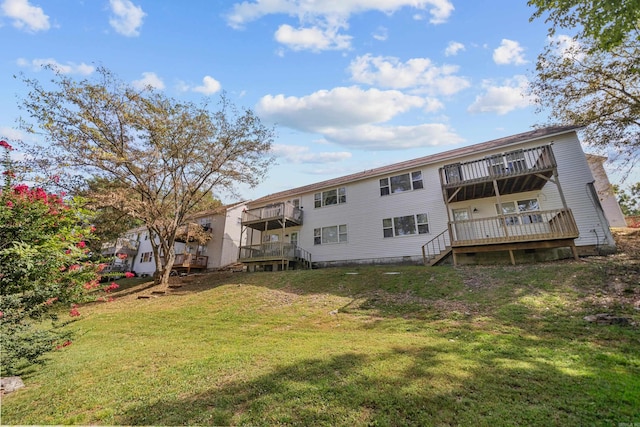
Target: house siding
x: 605, y: 191
x: 365, y: 209
x: 575, y: 175
x: 221, y: 250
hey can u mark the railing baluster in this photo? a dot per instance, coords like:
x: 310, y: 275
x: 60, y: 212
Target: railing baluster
x: 533, y: 225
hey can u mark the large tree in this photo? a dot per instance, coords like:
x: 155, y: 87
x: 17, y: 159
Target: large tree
x: 109, y: 221
x: 170, y: 155
x: 599, y: 90
x: 609, y: 22
x: 593, y: 78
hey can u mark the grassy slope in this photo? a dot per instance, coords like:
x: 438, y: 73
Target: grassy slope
x: 428, y: 346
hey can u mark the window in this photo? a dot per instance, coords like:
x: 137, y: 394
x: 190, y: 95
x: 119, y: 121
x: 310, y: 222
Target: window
x: 146, y: 257
x: 405, y: 225
x: 511, y: 162
x: 330, y: 197
x: 507, y: 209
x: 294, y: 202
x: 521, y: 206
x: 516, y: 161
x: 328, y: 235
x: 496, y: 165
x: 401, y: 183
x: 453, y: 173
x: 528, y: 206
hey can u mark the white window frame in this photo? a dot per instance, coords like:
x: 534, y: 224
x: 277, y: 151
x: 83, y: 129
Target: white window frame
x: 327, y: 235
x: 413, y: 179
x: 146, y: 257
x: 320, y: 199
x: 420, y: 223
x: 519, y: 210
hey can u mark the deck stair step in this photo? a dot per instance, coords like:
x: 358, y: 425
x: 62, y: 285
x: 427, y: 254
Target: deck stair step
x: 436, y: 249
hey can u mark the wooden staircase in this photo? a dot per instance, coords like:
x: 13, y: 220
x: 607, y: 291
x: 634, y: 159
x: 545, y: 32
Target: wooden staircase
x: 436, y: 249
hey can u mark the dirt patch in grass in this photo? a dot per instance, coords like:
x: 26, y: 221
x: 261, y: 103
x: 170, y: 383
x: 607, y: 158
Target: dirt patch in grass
x: 621, y: 273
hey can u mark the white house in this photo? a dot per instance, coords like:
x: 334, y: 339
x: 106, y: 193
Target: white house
x: 220, y: 251
x: 606, y: 195
x: 524, y: 197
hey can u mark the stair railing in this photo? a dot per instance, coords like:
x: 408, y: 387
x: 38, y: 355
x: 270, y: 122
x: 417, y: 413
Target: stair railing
x: 436, y: 246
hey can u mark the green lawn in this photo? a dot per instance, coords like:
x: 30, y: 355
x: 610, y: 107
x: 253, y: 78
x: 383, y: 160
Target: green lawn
x: 426, y: 346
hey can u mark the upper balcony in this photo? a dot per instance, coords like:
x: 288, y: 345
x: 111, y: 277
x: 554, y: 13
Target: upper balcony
x: 272, y: 217
x: 513, y: 172
x: 194, y: 232
x: 120, y: 246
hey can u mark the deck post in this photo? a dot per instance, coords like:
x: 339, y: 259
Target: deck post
x: 575, y: 251
x: 499, y: 200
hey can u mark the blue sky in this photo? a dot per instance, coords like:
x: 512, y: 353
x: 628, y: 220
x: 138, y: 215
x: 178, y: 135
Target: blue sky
x: 349, y: 84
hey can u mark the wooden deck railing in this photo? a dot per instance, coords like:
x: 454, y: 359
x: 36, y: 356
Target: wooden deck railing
x: 273, y: 251
x: 189, y: 261
x: 517, y: 227
x: 512, y: 163
x: 280, y: 210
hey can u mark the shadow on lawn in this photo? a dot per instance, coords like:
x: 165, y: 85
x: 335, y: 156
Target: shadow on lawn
x: 429, y: 386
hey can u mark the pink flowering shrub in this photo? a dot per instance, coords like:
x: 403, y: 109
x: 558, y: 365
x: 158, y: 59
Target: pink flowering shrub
x: 44, y: 267
x: 111, y: 287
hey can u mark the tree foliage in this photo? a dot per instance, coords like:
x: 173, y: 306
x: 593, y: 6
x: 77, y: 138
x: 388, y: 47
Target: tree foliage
x: 43, y: 268
x: 110, y: 221
x: 167, y: 157
x: 609, y: 23
x: 629, y: 201
x: 579, y: 84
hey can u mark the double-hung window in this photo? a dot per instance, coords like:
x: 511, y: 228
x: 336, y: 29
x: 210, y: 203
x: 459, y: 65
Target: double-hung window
x: 520, y: 212
x: 329, y: 235
x: 401, y: 183
x: 405, y: 225
x: 330, y: 197
x: 146, y: 257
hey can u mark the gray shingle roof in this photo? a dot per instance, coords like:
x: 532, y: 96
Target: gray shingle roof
x: 420, y: 161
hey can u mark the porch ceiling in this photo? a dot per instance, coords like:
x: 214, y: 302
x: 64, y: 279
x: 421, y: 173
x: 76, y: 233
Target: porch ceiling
x: 270, y: 224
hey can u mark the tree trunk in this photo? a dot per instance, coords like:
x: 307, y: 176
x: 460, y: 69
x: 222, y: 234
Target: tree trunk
x: 165, y: 271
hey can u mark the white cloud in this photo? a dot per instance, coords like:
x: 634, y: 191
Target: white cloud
x: 209, y: 86
x: 567, y: 47
x: 351, y: 116
x: 337, y: 108
x: 509, y: 52
x: 373, y: 137
x: 26, y: 16
x: 314, y: 38
x: 321, y: 22
x: 149, y: 79
x: 128, y: 17
x: 301, y: 154
x: 12, y: 134
x: 68, y: 68
x: 502, y: 99
x: 417, y: 73
x: 248, y: 11
x: 381, y: 34
x: 453, y: 48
